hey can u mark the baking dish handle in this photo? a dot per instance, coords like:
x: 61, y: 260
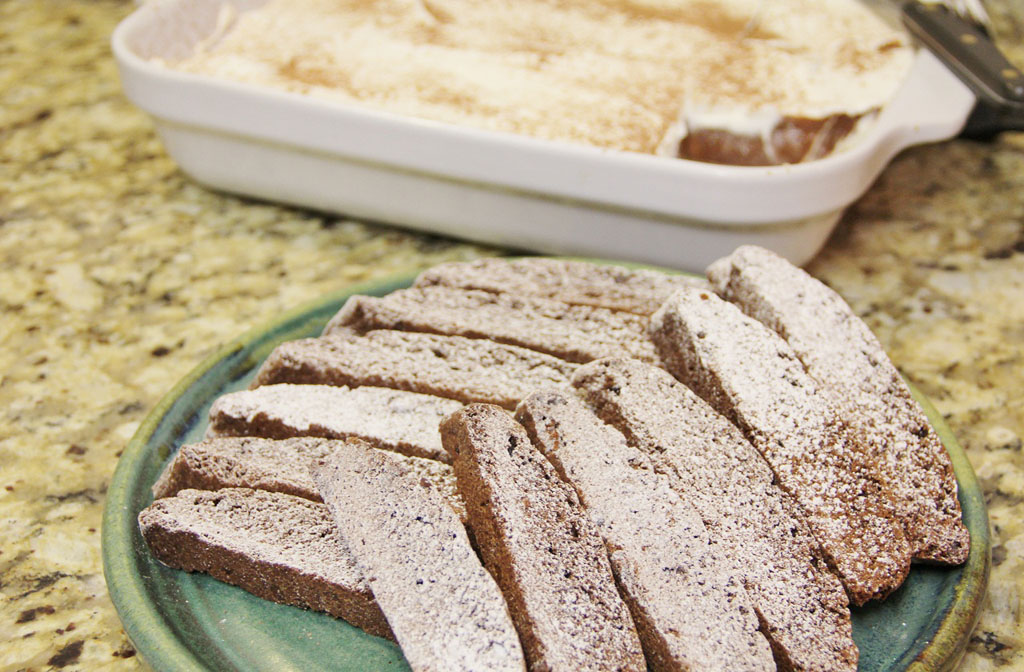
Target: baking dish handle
x: 932, y: 105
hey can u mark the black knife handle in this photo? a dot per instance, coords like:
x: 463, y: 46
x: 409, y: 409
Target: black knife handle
x: 968, y: 52
x: 987, y: 121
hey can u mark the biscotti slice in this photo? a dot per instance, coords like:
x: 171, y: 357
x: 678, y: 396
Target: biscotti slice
x: 466, y: 369
x: 278, y: 465
x: 574, y: 333
x: 802, y: 606
x: 540, y: 546
x: 842, y: 355
x: 749, y: 374
x: 689, y: 605
x: 582, y: 283
x: 276, y: 546
x: 445, y: 610
x: 405, y: 422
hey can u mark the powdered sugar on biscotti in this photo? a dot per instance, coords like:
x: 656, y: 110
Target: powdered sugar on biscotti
x: 405, y: 422
x: 445, y: 610
x: 280, y: 466
x: 582, y: 283
x: 844, y: 357
x: 274, y: 545
x: 466, y: 369
x: 689, y: 604
x: 749, y: 374
x: 802, y: 606
x: 574, y: 333
x: 541, y: 547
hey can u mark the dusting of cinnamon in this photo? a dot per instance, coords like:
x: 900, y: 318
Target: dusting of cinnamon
x: 616, y: 74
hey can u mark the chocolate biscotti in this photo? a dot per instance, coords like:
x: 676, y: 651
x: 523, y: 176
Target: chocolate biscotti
x: 573, y: 333
x: 580, y: 283
x: 688, y: 603
x: 283, y: 465
x: 405, y: 422
x: 802, y: 607
x: 540, y: 546
x: 751, y: 376
x: 842, y: 355
x: 445, y: 610
x: 619, y: 520
x: 276, y: 546
x: 467, y: 369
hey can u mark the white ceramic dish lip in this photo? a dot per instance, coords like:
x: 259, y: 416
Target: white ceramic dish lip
x: 931, y: 105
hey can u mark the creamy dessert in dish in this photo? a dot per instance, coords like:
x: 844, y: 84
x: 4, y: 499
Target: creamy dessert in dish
x: 744, y: 82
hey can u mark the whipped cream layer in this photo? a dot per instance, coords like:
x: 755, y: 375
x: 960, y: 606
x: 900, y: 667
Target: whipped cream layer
x: 615, y: 74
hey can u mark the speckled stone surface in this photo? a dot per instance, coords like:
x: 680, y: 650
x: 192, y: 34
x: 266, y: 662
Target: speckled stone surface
x: 118, y: 275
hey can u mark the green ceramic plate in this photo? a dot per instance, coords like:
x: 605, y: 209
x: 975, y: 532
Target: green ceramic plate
x: 182, y: 621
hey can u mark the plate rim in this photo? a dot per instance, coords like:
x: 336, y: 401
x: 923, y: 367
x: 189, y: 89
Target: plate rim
x: 163, y: 651
x: 949, y: 646
x: 159, y: 647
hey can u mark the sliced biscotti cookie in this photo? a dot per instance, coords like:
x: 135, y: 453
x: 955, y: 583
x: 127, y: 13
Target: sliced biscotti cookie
x: 749, y: 374
x: 405, y: 422
x: 686, y: 597
x: 801, y: 605
x: 582, y: 283
x: 445, y: 610
x: 844, y: 357
x: 540, y: 546
x: 283, y: 465
x: 573, y: 333
x: 276, y: 546
x: 466, y: 369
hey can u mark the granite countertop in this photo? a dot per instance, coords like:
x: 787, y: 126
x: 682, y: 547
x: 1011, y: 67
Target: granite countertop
x: 118, y: 275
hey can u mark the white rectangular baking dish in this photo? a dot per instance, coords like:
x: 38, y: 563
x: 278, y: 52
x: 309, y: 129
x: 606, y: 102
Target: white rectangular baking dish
x: 501, y: 188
